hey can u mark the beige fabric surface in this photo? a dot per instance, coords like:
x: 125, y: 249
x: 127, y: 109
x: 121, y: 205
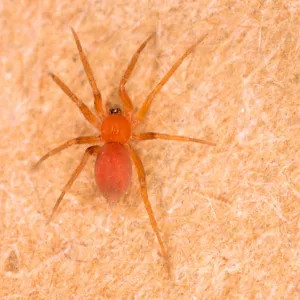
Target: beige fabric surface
x: 228, y: 215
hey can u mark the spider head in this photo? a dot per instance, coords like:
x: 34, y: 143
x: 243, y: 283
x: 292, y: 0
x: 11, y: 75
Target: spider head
x: 115, y: 111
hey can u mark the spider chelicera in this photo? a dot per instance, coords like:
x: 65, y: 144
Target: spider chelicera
x: 116, y: 131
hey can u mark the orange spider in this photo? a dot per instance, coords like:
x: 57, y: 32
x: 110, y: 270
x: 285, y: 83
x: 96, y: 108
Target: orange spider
x: 113, y: 164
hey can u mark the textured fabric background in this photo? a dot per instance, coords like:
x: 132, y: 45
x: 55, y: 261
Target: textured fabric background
x: 229, y: 215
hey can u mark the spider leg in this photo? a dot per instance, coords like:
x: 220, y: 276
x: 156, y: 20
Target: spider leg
x: 76, y: 141
x: 123, y: 94
x: 145, y: 107
x: 83, y: 108
x: 93, y: 150
x: 154, y: 135
x: 142, y: 178
x: 90, y: 76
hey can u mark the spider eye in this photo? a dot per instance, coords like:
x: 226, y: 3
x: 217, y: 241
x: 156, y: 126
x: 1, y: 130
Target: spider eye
x: 115, y: 111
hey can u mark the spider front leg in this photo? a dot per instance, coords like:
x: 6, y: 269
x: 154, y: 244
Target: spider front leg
x: 93, y: 150
x: 123, y: 94
x: 142, y: 178
x: 90, y: 76
x: 146, y: 105
x: 76, y: 141
x: 154, y: 135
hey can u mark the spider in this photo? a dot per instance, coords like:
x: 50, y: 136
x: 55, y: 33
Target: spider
x: 116, y: 127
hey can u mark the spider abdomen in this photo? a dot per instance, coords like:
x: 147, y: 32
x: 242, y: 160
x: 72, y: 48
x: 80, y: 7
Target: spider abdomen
x: 113, y: 171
